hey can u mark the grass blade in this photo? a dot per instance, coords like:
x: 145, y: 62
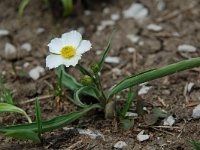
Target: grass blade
x: 154, y: 74
x: 195, y: 144
x: 38, y: 117
x: 131, y: 96
x: 105, y: 53
x: 68, y: 7
x: 23, y: 135
x: 22, y: 6
x: 4, y: 107
x: 51, y: 124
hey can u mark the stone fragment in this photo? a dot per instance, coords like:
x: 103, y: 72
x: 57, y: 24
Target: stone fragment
x: 35, y: 72
x: 120, y: 144
x: 186, y: 48
x: 112, y: 60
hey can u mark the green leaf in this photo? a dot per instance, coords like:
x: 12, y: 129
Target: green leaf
x: 51, y: 124
x: 150, y: 119
x: 4, y: 107
x: 68, y: 7
x: 195, y: 144
x: 77, y: 100
x: 101, y: 62
x: 71, y: 83
x: 159, y: 113
x: 131, y: 96
x: 23, y: 135
x: 22, y: 6
x: 154, y: 74
x: 83, y: 70
x: 127, y: 123
x: 38, y: 117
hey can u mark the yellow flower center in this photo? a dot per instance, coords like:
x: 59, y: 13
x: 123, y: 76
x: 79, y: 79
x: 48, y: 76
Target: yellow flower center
x: 68, y: 51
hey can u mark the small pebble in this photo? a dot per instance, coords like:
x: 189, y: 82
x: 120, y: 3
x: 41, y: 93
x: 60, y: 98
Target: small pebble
x: 144, y: 89
x: 196, y: 112
x: 90, y: 133
x: 81, y: 30
x: 142, y: 137
x: 186, y: 48
x: 133, y: 38
x: 106, y: 10
x: 40, y: 30
x: 131, y: 50
x: 10, y: 51
x: 169, y: 121
x: 35, y: 72
x: 154, y: 27
x: 4, y: 32
x: 136, y: 11
x: 115, y: 17
x: 104, y: 24
x: 112, y: 60
x: 131, y: 114
x: 160, y: 5
x: 87, y: 12
x: 120, y: 144
x: 26, y: 64
x: 26, y: 46
x: 98, y: 52
x: 117, y: 71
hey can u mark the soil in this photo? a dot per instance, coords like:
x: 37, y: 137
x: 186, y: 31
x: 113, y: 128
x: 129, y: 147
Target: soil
x: 181, y: 25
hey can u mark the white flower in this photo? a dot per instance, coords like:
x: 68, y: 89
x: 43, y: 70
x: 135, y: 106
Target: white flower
x: 66, y: 50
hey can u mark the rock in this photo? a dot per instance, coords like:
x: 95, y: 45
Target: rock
x: 154, y: 27
x: 120, y: 144
x: 144, y: 89
x: 106, y: 10
x: 98, y: 52
x: 117, y: 71
x: 26, y: 46
x: 136, y: 11
x: 115, y: 17
x: 26, y: 64
x: 10, y: 51
x: 4, y: 32
x: 160, y: 5
x: 133, y: 38
x: 91, y: 134
x: 112, y: 60
x: 81, y: 30
x: 169, y: 121
x: 142, y: 137
x: 87, y: 12
x: 35, y: 72
x: 131, y: 114
x: 39, y: 30
x: 186, y: 48
x: 131, y: 49
x: 104, y: 24
x: 196, y: 112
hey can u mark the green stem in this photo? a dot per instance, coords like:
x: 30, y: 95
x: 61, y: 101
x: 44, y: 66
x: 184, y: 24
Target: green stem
x: 154, y: 74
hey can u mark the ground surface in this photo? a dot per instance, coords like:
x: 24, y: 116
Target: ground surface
x: 181, y: 25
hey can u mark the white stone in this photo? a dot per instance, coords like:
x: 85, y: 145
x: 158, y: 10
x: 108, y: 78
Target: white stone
x: 104, y: 24
x: 98, y: 52
x: 106, y: 10
x: 169, y: 121
x: 141, y: 43
x: 81, y: 30
x: 133, y: 38
x: 154, y: 27
x: 142, y: 137
x: 120, y: 144
x: 90, y: 133
x: 131, y: 50
x: 115, y: 17
x: 131, y: 114
x: 136, y: 11
x: 26, y: 46
x: 10, y: 50
x: 68, y: 129
x: 186, y: 48
x: 87, y: 12
x: 144, y: 89
x: 39, y: 30
x: 35, y: 72
x: 26, y: 64
x: 4, y: 32
x: 190, y: 86
x: 112, y: 60
x: 196, y: 112
x: 117, y: 71
x: 160, y: 5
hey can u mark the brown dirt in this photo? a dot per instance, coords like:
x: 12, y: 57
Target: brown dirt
x: 159, y: 49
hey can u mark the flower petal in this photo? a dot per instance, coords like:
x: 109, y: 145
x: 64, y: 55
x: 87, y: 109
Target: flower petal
x: 53, y: 61
x: 55, y: 45
x: 85, y: 46
x: 72, y: 61
x: 72, y: 38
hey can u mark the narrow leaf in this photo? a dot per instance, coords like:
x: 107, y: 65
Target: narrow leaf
x: 22, y: 6
x: 68, y: 7
x: 23, y: 135
x: 195, y: 144
x: 159, y: 113
x: 38, y: 117
x: 5, y: 107
x: 131, y: 96
x: 51, y: 124
x: 101, y: 62
x: 154, y: 74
